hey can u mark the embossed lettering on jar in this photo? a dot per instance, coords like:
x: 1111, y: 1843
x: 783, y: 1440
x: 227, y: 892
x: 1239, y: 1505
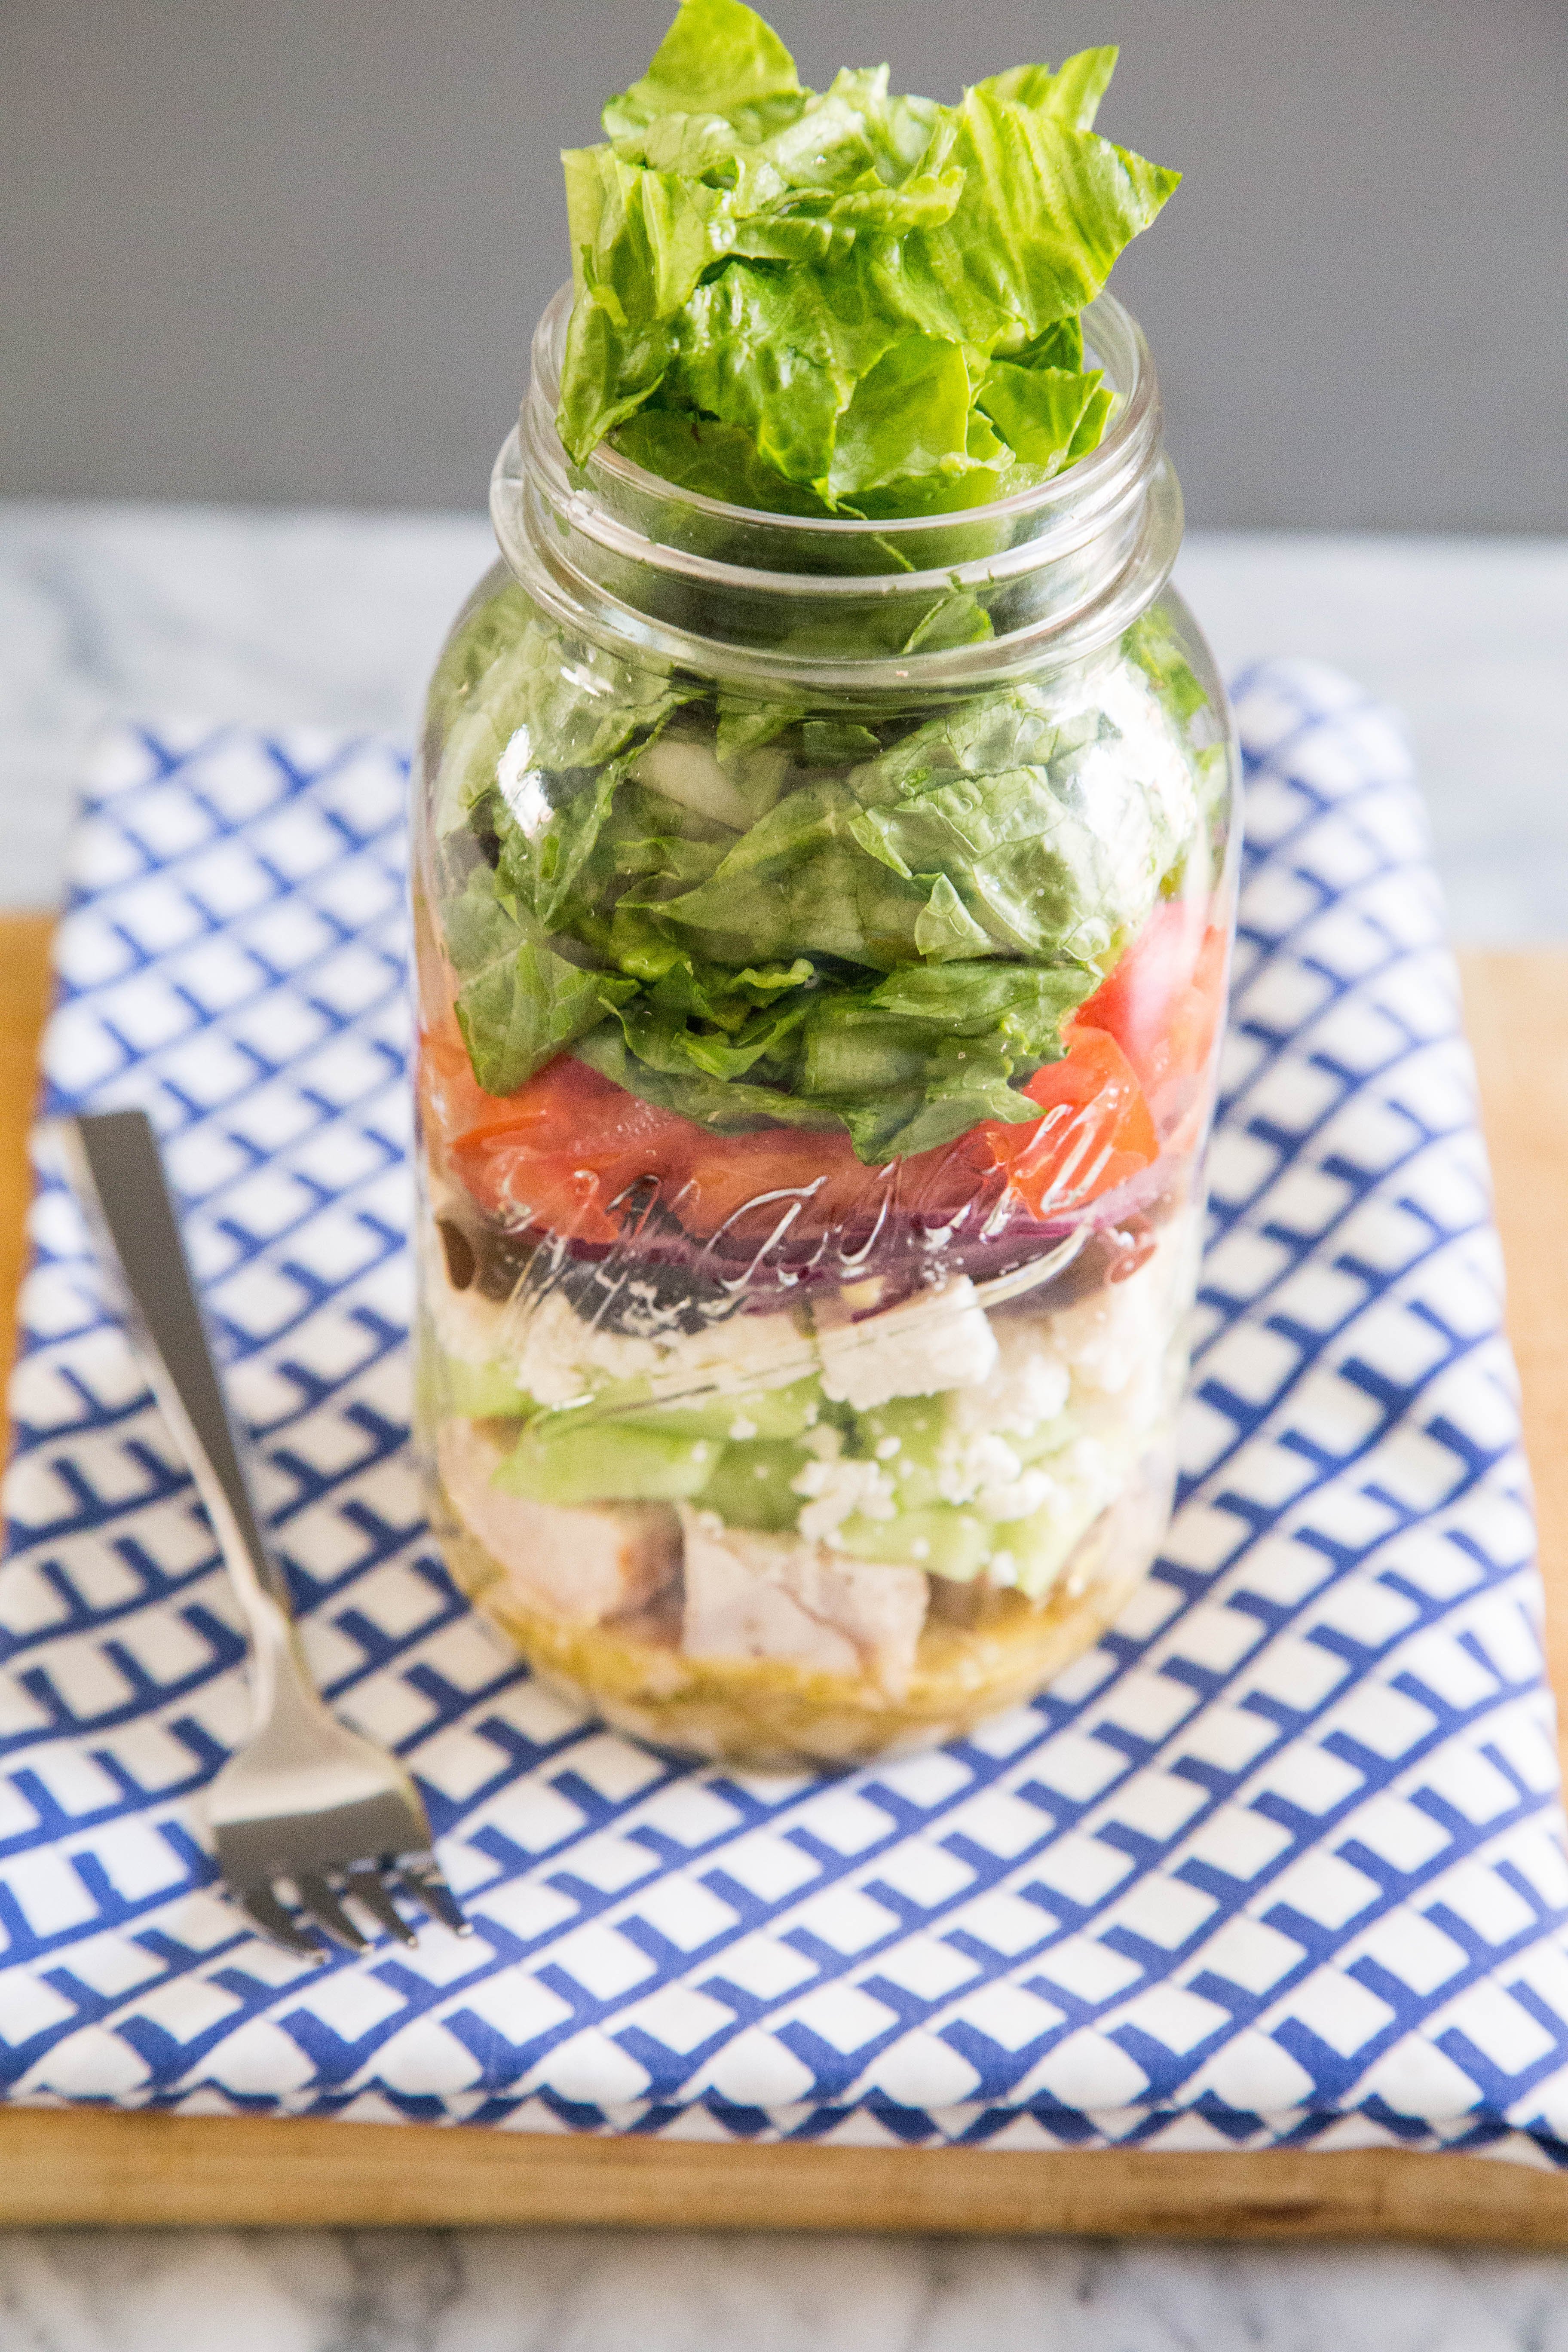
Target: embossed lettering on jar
x: 822, y: 937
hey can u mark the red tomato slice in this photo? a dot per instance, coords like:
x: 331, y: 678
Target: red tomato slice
x: 572, y: 1152
x: 1163, y: 1002
x: 562, y: 1152
x: 1097, y: 1132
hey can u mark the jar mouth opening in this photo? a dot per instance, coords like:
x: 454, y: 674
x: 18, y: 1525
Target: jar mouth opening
x: 825, y: 603
x: 1113, y: 341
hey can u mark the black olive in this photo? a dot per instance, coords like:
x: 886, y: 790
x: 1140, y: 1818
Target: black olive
x: 461, y: 1262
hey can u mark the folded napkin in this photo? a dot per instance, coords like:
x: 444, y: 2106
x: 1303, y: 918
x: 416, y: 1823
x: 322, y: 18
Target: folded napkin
x: 1280, y: 1861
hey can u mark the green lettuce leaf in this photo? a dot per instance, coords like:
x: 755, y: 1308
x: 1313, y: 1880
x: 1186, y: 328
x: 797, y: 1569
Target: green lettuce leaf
x: 747, y: 723
x: 831, y: 742
x: 800, y: 883
x: 729, y: 1106
x: 717, y: 461
x: 662, y: 1037
x: 921, y: 1058
x: 771, y: 352
x: 887, y: 950
x: 545, y: 839
x: 1059, y: 345
x: 1046, y: 208
x: 1041, y: 412
x: 647, y: 847
x: 823, y: 283
x: 993, y: 796
x: 612, y: 366
x: 1153, y: 645
x: 718, y: 58
x: 520, y: 697
x: 907, y: 416
x: 884, y: 1123
x: 488, y: 627
x: 520, y: 1001
x: 1073, y: 92
x: 904, y: 1065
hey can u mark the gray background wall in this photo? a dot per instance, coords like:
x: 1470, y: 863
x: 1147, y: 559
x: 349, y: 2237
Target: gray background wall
x: 291, y: 249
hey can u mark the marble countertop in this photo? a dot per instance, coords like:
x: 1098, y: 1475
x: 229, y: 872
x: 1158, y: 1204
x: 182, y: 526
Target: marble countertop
x: 576, y: 2291
x: 333, y: 620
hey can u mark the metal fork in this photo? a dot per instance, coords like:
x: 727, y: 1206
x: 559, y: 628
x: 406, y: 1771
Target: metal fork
x: 305, y: 1799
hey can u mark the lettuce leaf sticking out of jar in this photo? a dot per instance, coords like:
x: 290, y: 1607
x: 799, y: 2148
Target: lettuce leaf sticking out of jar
x: 847, y: 300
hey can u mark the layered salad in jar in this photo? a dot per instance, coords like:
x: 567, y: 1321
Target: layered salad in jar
x: 814, y: 1086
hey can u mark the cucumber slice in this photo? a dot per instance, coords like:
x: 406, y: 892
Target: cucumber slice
x: 1041, y: 1545
x: 943, y: 1540
x: 758, y: 1413
x: 481, y: 1391
x: 752, y: 1486
x: 605, y: 1462
x: 904, y: 1436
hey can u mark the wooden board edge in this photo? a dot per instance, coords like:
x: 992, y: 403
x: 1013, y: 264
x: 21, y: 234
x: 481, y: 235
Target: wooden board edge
x: 92, y: 2168
x: 25, y: 986
x: 1516, y: 1017
x: 96, y: 2168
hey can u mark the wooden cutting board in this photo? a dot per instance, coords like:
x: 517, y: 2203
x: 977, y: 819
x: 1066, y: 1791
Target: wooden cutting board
x: 86, y: 2166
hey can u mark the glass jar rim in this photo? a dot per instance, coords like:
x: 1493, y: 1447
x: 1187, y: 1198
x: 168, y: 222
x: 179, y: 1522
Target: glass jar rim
x: 1104, y: 530
x: 1113, y: 339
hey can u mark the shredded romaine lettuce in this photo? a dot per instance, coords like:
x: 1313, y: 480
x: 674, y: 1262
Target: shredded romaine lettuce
x: 889, y: 946
x: 844, y: 300
x: 764, y: 914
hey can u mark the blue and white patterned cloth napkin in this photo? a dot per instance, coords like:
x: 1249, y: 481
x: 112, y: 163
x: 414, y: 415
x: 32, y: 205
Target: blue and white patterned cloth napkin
x: 1280, y: 1861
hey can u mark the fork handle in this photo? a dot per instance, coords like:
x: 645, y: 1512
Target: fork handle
x: 120, y: 1177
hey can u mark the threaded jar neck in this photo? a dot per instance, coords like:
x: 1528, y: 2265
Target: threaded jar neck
x: 829, y: 606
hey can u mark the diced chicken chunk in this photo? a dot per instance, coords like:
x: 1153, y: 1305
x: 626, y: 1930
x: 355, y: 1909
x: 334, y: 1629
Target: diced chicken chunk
x: 939, y: 1341
x: 766, y: 1596
x: 599, y: 1561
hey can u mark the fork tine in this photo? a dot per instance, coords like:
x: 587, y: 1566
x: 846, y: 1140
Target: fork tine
x: 426, y: 1886
x: 367, y: 1887
x: 274, y: 1923
x: 328, y: 1914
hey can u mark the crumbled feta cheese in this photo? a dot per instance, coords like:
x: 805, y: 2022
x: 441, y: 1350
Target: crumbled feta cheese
x: 985, y: 1473
x: 1015, y: 1498
x: 467, y: 1324
x: 747, y: 1353
x: 1115, y: 1341
x: 1030, y: 1384
x: 836, y: 1491
x: 558, y: 1356
x: 1101, y: 1364
x: 987, y: 1458
x: 1106, y: 1336
x: 964, y: 1465
x: 939, y: 1341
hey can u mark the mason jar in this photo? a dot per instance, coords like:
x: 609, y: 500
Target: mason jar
x: 822, y: 929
